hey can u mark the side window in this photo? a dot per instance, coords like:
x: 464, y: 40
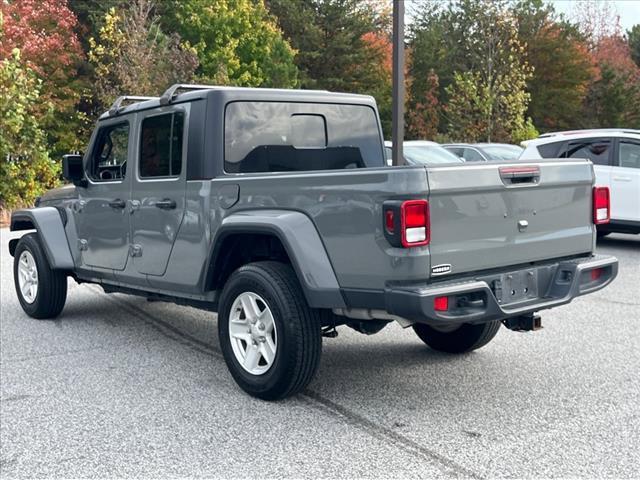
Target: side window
x: 471, y: 155
x: 109, y: 156
x: 550, y: 150
x: 161, y: 145
x: 629, y: 154
x: 598, y: 151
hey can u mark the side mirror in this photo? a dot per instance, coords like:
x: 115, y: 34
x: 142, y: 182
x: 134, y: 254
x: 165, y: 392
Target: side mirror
x: 72, y: 169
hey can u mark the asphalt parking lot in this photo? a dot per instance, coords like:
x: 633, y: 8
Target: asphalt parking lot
x: 118, y: 386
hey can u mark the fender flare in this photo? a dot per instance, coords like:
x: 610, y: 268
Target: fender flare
x: 49, y: 224
x: 302, y: 243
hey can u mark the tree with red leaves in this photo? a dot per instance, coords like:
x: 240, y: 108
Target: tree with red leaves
x: 423, y: 114
x: 43, y: 31
x: 379, y: 66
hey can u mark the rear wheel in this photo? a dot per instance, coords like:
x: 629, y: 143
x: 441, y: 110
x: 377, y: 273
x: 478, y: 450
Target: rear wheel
x: 271, y: 340
x: 465, y: 338
x: 42, y: 291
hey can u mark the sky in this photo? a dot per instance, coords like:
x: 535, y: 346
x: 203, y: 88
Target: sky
x: 629, y: 10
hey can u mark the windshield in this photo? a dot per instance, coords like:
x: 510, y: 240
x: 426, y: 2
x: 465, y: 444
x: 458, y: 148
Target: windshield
x: 502, y: 152
x: 428, y: 155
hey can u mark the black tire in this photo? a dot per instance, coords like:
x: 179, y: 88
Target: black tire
x: 52, y: 284
x: 602, y: 234
x: 464, y: 339
x: 299, y: 341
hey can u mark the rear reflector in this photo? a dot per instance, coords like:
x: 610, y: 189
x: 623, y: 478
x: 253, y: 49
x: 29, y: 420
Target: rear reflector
x: 389, y: 221
x: 596, y: 273
x: 441, y: 304
x: 601, y: 205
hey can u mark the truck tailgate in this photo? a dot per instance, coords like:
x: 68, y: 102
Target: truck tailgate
x: 490, y: 215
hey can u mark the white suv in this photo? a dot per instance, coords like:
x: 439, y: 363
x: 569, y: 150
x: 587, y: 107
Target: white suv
x: 615, y: 154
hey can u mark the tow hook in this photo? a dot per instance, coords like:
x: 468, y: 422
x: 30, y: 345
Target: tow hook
x: 523, y: 323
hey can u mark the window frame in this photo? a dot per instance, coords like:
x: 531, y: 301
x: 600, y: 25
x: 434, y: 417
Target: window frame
x: 89, y: 166
x: 183, y: 153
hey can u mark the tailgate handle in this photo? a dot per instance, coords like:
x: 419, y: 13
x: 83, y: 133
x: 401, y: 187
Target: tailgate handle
x: 520, y: 175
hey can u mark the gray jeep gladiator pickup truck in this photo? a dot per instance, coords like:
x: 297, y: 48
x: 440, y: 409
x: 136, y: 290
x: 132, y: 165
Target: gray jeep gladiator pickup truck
x: 275, y: 209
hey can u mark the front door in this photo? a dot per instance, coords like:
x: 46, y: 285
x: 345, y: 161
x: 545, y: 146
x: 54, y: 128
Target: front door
x: 101, y: 215
x: 625, y: 182
x: 159, y: 187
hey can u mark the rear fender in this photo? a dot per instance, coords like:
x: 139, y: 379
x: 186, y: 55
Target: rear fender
x: 50, y: 226
x: 302, y: 244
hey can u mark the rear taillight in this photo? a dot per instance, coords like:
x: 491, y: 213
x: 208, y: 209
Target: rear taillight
x: 414, y: 221
x: 601, y: 205
x: 406, y: 223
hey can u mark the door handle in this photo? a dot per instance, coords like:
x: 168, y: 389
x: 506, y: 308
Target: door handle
x: 166, y: 204
x: 117, y: 203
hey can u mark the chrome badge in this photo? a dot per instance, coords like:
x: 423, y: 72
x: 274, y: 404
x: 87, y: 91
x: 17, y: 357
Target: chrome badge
x: 441, y: 269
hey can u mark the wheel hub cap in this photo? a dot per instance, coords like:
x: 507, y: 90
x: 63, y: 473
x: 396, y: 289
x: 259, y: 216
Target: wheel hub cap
x: 28, y: 276
x: 253, y: 334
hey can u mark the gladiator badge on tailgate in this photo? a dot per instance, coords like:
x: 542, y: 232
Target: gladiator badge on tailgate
x: 441, y: 269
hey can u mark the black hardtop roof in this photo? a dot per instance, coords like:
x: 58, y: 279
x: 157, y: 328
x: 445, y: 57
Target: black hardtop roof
x: 229, y: 94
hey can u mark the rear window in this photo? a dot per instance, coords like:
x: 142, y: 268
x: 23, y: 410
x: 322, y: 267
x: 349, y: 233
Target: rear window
x: 503, y: 152
x: 428, y: 155
x: 283, y: 137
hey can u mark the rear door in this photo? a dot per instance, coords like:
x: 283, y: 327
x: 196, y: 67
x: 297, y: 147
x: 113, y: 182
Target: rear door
x: 625, y: 181
x: 159, y: 185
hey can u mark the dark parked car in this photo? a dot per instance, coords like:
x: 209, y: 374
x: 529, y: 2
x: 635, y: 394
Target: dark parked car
x: 485, y: 152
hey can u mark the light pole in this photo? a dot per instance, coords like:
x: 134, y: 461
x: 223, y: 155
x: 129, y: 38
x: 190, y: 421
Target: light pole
x: 397, y: 106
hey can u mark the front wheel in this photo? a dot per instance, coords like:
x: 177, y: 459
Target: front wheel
x: 465, y: 338
x: 271, y: 340
x: 42, y: 291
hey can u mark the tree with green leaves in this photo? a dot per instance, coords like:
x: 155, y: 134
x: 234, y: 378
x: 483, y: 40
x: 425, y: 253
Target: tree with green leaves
x: 237, y: 42
x: 341, y: 45
x: 487, y: 100
x: 562, y: 66
x: 132, y: 55
x: 25, y: 167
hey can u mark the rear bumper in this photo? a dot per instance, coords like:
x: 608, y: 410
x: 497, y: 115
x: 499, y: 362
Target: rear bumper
x: 474, y: 300
x: 620, y: 226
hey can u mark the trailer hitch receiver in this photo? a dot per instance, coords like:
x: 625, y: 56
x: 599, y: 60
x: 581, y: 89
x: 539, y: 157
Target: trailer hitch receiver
x: 523, y: 323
